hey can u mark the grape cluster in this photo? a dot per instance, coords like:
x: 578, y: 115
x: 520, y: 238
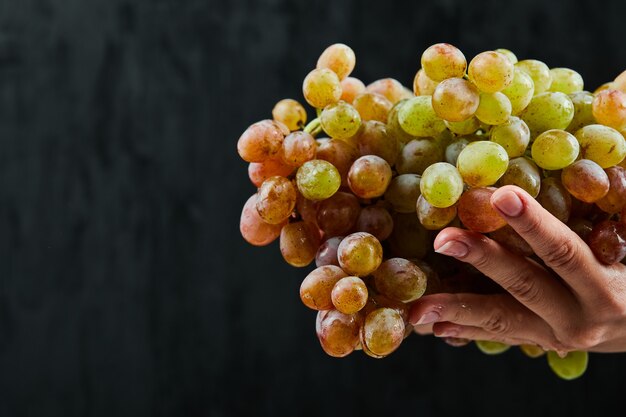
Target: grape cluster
x: 397, y: 165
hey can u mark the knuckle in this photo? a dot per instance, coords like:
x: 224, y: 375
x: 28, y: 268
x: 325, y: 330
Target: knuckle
x: 497, y: 323
x: 523, y: 287
x: 562, y: 255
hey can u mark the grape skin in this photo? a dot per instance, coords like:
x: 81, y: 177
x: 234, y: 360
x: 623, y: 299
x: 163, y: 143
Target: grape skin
x: 339, y: 58
x: 583, y: 113
x: 566, y: 81
x: 491, y: 348
x: 373, y: 139
x: 258, y: 172
x: 340, y: 154
x: 321, y: 87
x: 350, y: 88
x: 482, y: 163
x: 418, y: 118
x: 276, y: 200
x: 441, y: 184
x: 539, y: 72
x: 298, y: 147
x: 383, y: 331
x: 372, y: 106
x: 570, y: 367
x: 318, y: 180
x: 602, y: 144
x: 369, y: 176
x: 455, y: 100
x: 609, y: 108
x: 316, y: 288
x: 327, y: 252
x: 555, y: 199
x: 349, y: 295
x: 422, y: 85
x: 555, y: 149
x: 291, y: 113
x: 491, y: 71
x: 340, y: 120
x: 252, y: 227
x: 524, y: 173
x: 513, y: 135
x: 403, y: 192
x: 476, y: 213
x: 299, y: 242
x: 392, y: 89
x: 520, y: 92
x: 615, y: 200
x: 338, y: 214
x: 337, y: 332
x: 360, y: 254
x: 442, y: 60
x: 400, y: 280
x: 434, y: 218
x: 261, y: 141
x: 607, y: 240
x: 376, y: 221
x: 494, y: 108
x: 585, y: 180
x: 548, y: 111
x: 417, y: 155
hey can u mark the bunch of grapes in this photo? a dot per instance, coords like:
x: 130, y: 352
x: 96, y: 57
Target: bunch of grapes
x: 362, y: 189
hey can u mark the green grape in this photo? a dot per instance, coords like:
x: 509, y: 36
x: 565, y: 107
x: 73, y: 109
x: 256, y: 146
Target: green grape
x: 441, y: 184
x: 338, y: 58
x: 417, y: 117
x: 571, y: 366
x: 442, y: 60
x: 555, y: 149
x: 491, y: 71
x: 454, y: 149
x: 455, y: 100
x: 585, y: 180
x: 403, y: 192
x: 466, y: 127
x: 417, y: 155
x: 520, y: 92
x: 602, y: 144
x: 394, y: 129
x: 290, y: 113
x: 494, y: 108
x: 350, y: 88
x: 548, y: 111
x: 583, y: 114
x: 615, y: 200
x: 337, y: 332
x: 373, y: 139
x: 316, y: 288
x: 340, y: 120
x: 532, y: 351
x: 422, y: 85
x: 340, y: 154
x: 566, y: 81
x: 555, y: 198
x: 476, y: 213
x: 524, y: 173
x: 360, y: 254
x: 491, y: 348
x: 382, y: 332
x: 299, y: 242
x: 388, y: 87
x: 321, y: 87
x: 372, y: 106
x: 434, y: 218
x: 482, y: 163
x: 349, y: 295
x: 609, y: 108
x: 539, y: 72
x: 318, y: 179
x: 409, y: 239
x: 369, y: 176
x: 513, y: 135
x: 276, y: 200
x: 253, y: 228
x: 510, y: 55
x: 400, y: 280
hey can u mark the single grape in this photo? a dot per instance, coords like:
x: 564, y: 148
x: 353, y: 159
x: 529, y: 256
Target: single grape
x: 298, y: 147
x: 513, y: 135
x: 299, y: 242
x: 291, y: 113
x: 394, y: 129
x: 512, y: 241
x: 434, y: 218
x: 376, y: 221
x: 607, y: 240
x: 555, y: 149
x: 602, y: 144
x: 260, y: 171
x: 422, y: 85
x: 581, y: 227
x: 455, y: 99
x: 307, y: 209
x: 571, y: 366
x: 316, y: 288
x: 372, y: 106
x: 400, y: 280
x: 369, y: 176
x: 442, y: 60
x: 418, y: 118
x: 555, y: 198
x: 441, y: 185
x: 491, y: 71
x: 338, y: 58
x: 276, y: 200
x: 321, y: 87
x: 609, y: 108
x: 520, y: 92
x: 539, y: 72
x: 532, y: 351
x: 566, y: 81
x: 510, y: 55
x: 349, y: 295
x: 409, y: 239
x: 476, y: 213
x: 585, y: 180
x: 482, y: 163
x: 340, y: 120
x: 340, y: 154
x: 548, y: 111
x: 338, y: 214
x: 491, y: 348
x: 615, y: 200
x: 454, y: 149
x: 373, y: 139
x: 382, y: 332
x: 360, y: 254
x: 419, y: 154
x: 388, y: 87
x: 318, y: 179
x: 466, y: 127
x: 494, y: 108
x: 350, y: 88
x: 327, y: 252
x: 253, y: 228
x: 261, y: 141
x: 524, y: 173
x: 337, y: 332
x: 403, y: 192
x: 583, y: 114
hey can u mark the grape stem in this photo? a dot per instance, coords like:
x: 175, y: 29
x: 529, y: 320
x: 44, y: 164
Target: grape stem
x: 314, y: 127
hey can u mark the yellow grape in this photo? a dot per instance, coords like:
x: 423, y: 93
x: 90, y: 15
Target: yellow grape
x: 524, y: 173
x: 403, y: 192
x: 316, y: 288
x: 337, y: 332
x: 620, y: 82
x: 491, y: 348
x: 374, y: 139
x: 372, y: 106
x: 318, y: 179
x: 382, y: 332
x: 442, y: 60
x: 520, y: 92
x: 418, y: 118
x: 253, y: 228
x: 513, y: 135
x: 609, y: 108
x: 338, y: 58
x: 602, y: 144
x: 349, y: 295
x: 350, y: 88
x: 360, y: 254
x: 276, y: 200
x: 434, y: 218
x: 299, y: 242
x: 494, y: 108
x: 392, y: 89
x: 510, y: 55
x: 476, y: 212
x: 422, y: 85
x: 555, y: 149
x: 466, y: 127
x: 572, y: 366
x: 455, y: 100
x: 369, y: 176
x: 566, y: 81
x: 539, y: 72
x: 585, y: 180
x: 291, y: 113
x: 491, y: 71
x: 321, y: 87
x: 583, y: 110
x: 548, y: 111
x: 482, y: 163
x: 441, y: 184
x: 419, y: 154
x: 400, y: 280
x: 340, y: 120
x: 393, y: 124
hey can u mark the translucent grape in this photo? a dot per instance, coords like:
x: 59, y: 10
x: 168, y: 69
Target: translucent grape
x: 620, y: 82
x: 350, y: 88
x: 476, y: 213
x: 403, y: 192
x: 307, y: 209
x: 373, y: 139
x: 513, y: 135
x: 388, y: 87
x: 349, y: 295
x: 434, y: 218
x: 252, y: 227
x: 337, y: 215
x: 383, y: 331
x: 572, y: 366
x: 441, y: 185
x: 261, y: 141
x: 615, y: 200
x: 393, y: 124
x: 338, y: 58
x: 369, y: 176
x: 321, y: 87
x: 291, y: 113
x: 417, y: 155
x: 276, y: 200
x: 360, y: 254
x: 491, y: 71
x: 337, y: 332
x: 327, y: 252
x: 298, y: 147
x: 372, y: 106
x: 454, y: 149
x: 260, y: 171
x: 566, y: 81
x: 455, y: 99
x: 512, y: 241
x: 418, y: 118
x: 442, y: 60
x: 609, y: 108
x: 422, y: 85
x: 520, y: 92
x: 409, y: 239
x: 318, y: 179
x: 494, y: 108
x: 585, y: 180
x: 510, y: 55
x: 482, y: 163
x: 523, y: 173
x: 316, y: 288
x: 539, y: 72
x: 400, y: 280
x: 555, y: 149
x: 555, y: 198
x: 583, y: 115
x: 466, y: 127
x: 607, y: 240
x: 299, y: 242
x: 340, y: 154
x: 340, y: 120
x: 581, y: 227
x: 548, y: 111
x: 491, y: 348
x: 602, y: 144
x: 376, y: 221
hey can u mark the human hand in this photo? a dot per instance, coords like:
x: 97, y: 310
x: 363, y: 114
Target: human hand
x: 576, y: 303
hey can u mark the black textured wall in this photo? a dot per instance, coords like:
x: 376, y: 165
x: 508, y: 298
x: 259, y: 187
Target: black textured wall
x: 125, y: 288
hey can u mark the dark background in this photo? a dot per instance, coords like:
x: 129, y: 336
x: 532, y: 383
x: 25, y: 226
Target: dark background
x: 125, y: 287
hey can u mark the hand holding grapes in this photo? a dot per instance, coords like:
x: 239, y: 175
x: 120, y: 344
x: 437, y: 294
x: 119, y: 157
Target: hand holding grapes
x: 574, y: 302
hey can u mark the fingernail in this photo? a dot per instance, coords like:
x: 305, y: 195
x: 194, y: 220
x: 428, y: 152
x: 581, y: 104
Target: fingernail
x: 427, y: 318
x: 451, y: 332
x: 453, y: 248
x: 508, y: 203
